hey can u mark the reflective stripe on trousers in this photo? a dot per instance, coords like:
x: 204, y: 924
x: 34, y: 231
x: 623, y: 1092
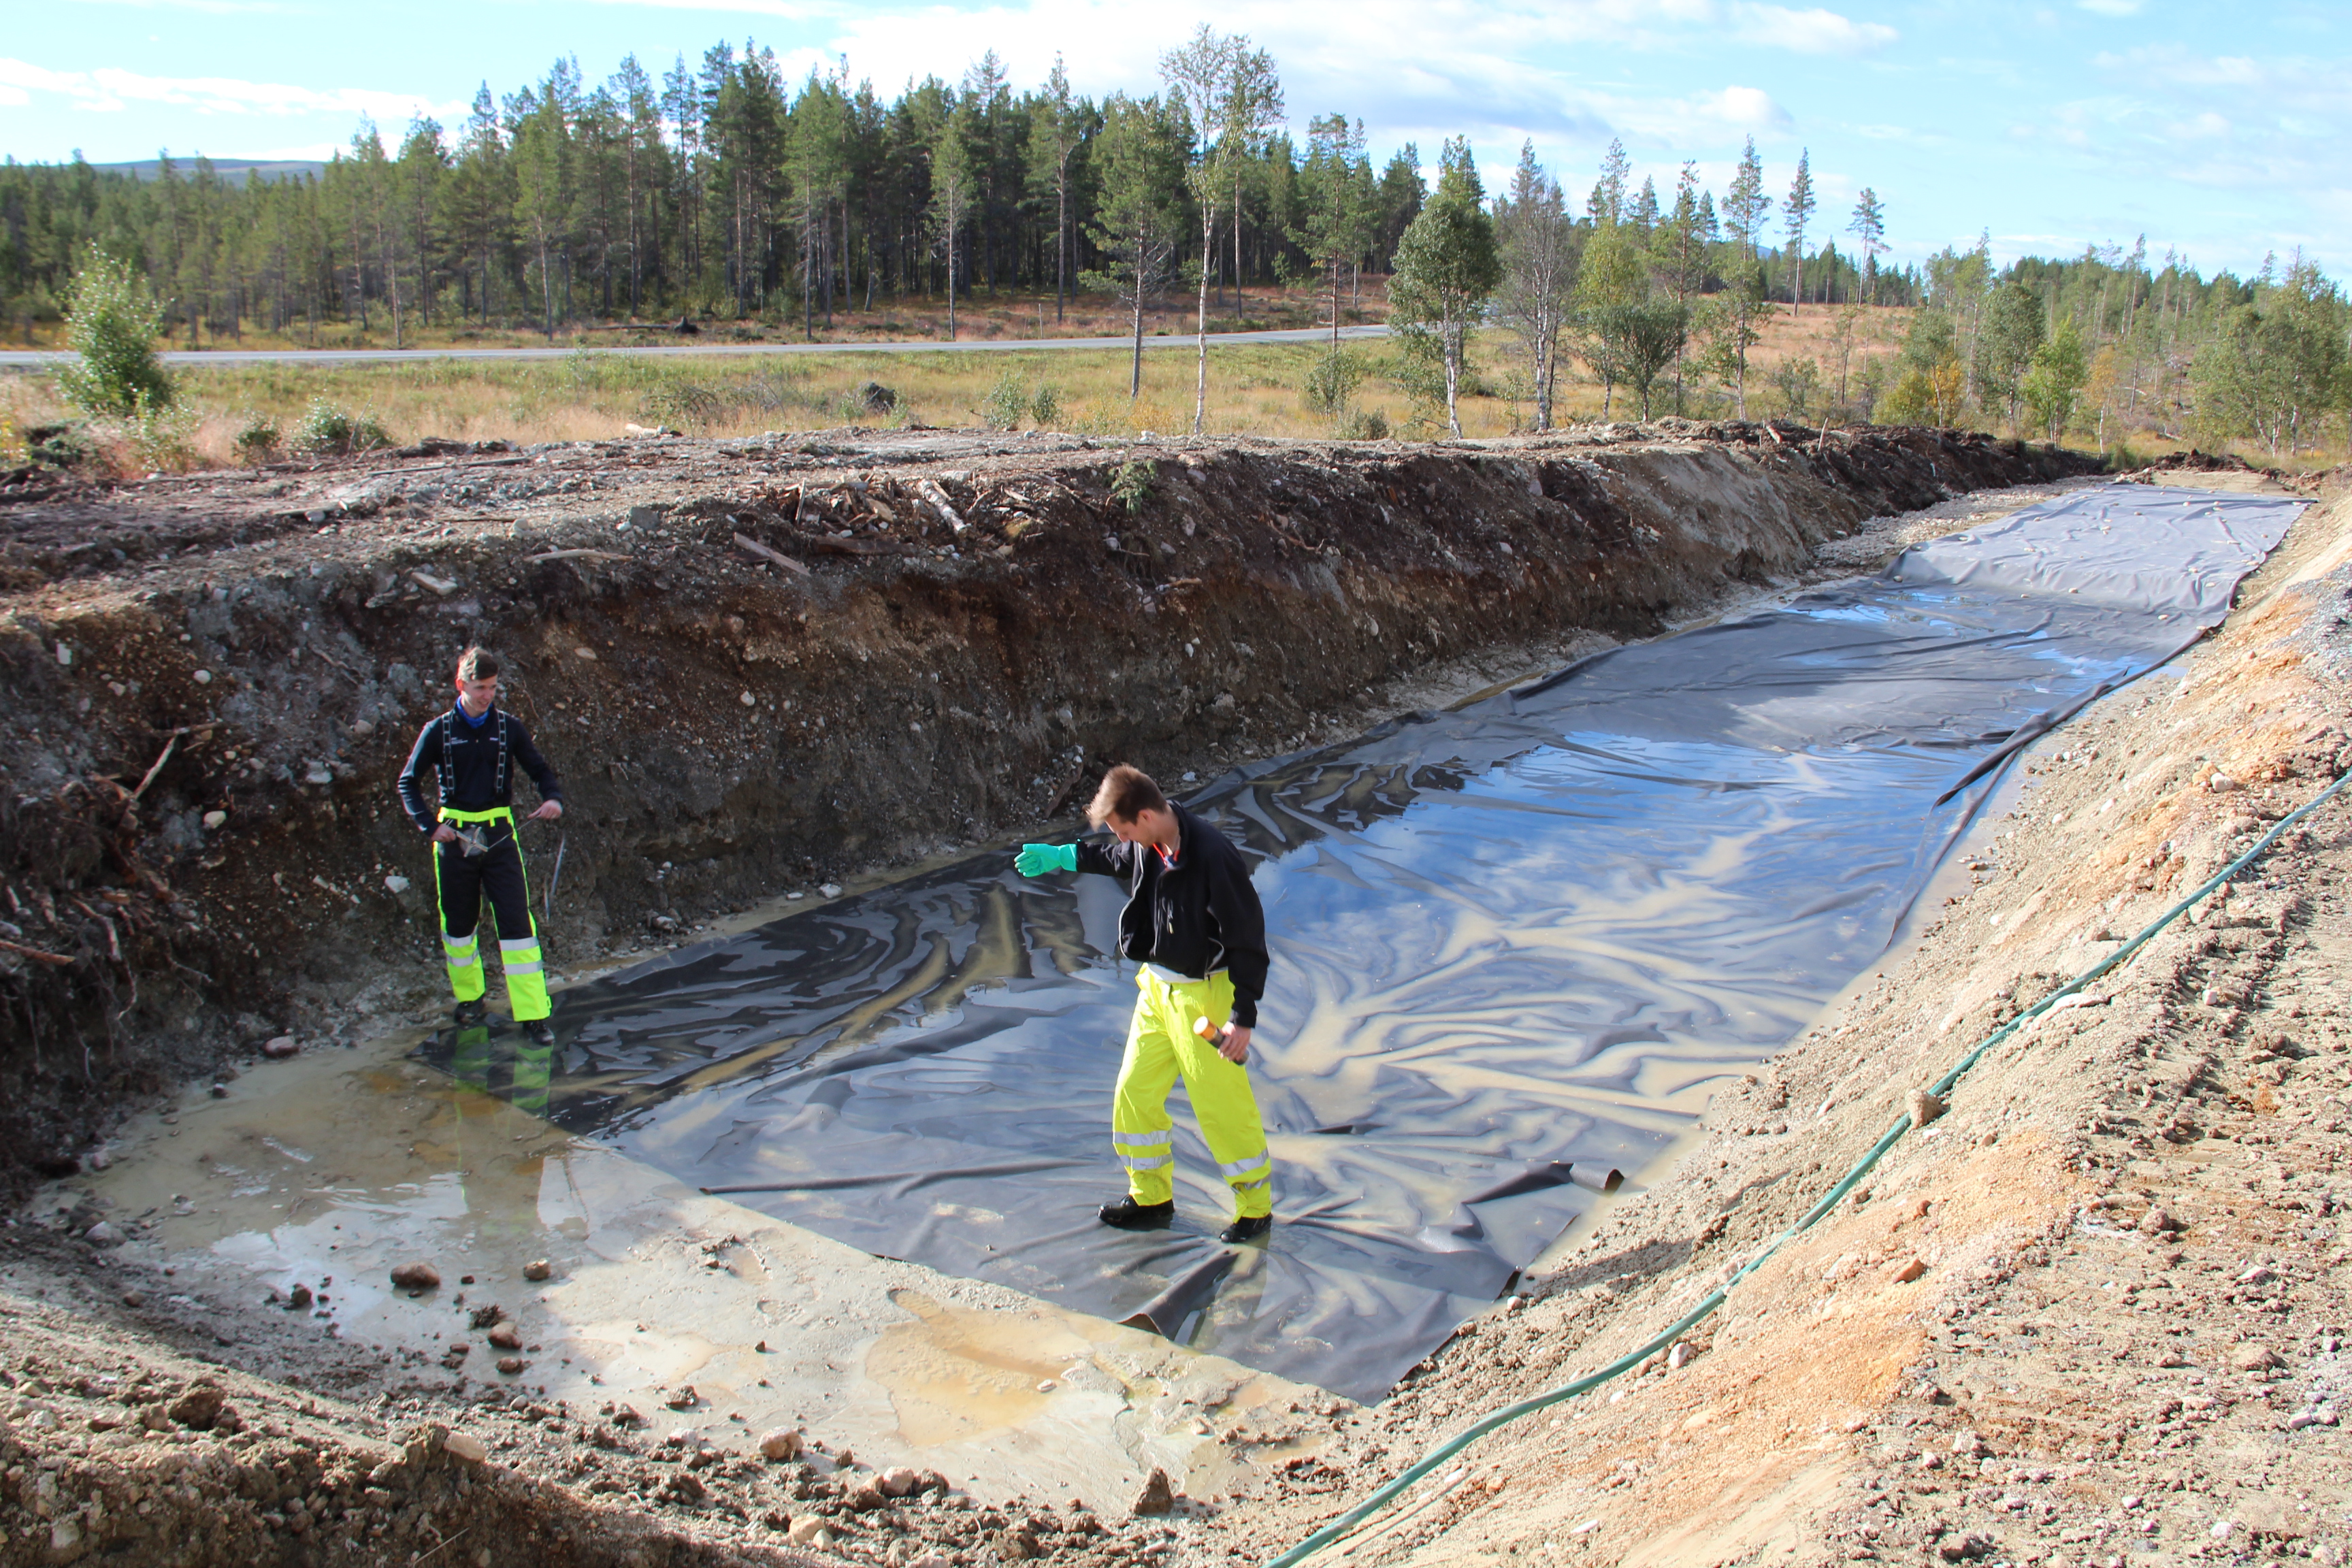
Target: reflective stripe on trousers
x: 1161, y: 1047
x: 460, y: 883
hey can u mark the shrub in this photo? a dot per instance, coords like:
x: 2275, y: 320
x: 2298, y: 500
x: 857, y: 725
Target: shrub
x: 1131, y: 482
x: 112, y: 319
x: 1045, y: 407
x: 1364, y: 424
x: 163, y: 439
x: 327, y: 429
x: 1330, y: 382
x: 257, y: 440
x: 1007, y: 402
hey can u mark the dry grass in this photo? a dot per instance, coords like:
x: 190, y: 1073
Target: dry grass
x: 592, y: 394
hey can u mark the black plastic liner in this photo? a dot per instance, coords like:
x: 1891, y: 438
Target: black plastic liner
x: 1516, y: 948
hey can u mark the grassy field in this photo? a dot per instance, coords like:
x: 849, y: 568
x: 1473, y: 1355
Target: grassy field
x: 593, y: 394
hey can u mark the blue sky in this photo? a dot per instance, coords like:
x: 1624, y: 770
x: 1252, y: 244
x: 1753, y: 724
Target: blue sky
x: 2220, y: 130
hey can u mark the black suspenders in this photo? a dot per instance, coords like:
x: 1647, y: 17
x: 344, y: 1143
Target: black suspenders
x: 447, y: 769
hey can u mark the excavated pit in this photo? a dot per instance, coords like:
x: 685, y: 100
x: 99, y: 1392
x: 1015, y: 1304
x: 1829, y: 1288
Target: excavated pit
x: 758, y: 664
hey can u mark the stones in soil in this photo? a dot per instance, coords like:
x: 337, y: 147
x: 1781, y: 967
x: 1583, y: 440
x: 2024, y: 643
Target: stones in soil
x: 416, y: 1277
x: 1156, y: 1498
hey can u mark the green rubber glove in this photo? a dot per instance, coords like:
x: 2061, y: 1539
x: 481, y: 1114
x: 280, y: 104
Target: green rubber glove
x: 1036, y: 859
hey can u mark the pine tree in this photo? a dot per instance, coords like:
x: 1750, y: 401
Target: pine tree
x: 1796, y: 212
x: 1745, y: 205
x: 1140, y: 152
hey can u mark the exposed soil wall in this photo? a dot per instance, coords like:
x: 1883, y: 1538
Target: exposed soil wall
x: 755, y: 664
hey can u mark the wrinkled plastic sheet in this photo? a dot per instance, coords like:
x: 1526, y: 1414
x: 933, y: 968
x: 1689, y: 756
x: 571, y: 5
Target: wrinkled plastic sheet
x: 1516, y: 947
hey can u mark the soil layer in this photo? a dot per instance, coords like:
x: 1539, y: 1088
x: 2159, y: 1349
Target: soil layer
x: 757, y: 664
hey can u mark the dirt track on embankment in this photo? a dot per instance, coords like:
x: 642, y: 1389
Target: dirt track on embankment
x: 757, y: 664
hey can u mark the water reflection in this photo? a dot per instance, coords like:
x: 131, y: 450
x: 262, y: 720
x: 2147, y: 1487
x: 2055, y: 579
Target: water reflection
x: 1514, y: 946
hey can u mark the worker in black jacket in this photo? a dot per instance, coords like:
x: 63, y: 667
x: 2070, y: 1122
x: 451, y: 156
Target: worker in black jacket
x: 1194, y: 924
x: 470, y: 755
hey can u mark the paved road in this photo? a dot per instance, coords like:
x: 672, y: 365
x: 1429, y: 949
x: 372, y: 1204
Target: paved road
x: 710, y: 351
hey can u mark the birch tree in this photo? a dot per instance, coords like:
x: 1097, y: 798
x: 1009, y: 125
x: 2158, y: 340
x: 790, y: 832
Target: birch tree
x: 1537, y: 240
x: 1446, y: 266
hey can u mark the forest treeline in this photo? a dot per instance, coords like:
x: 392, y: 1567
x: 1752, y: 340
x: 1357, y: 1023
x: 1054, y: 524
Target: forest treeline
x: 722, y: 191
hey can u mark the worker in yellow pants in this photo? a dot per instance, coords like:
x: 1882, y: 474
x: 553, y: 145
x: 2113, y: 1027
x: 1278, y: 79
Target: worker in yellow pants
x: 470, y: 755
x: 1195, y: 924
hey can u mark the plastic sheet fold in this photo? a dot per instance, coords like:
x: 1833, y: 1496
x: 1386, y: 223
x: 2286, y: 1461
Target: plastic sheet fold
x: 1516, y: 946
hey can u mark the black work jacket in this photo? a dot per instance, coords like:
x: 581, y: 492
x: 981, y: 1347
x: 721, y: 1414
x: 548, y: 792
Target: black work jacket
x: 1197, y: 915
x: 470, y: 767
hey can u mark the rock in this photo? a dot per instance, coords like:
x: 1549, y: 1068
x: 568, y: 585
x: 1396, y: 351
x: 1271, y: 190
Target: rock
x: 395, y: 883
x: 1157, y: 1497
x: 2158, y: 1222
x: 780, y: 1445
x: 683, y: 1398
x: 202, y: 677
x: 1923, y: 1107
x: 1970, y: 1446
x: 929, y: 1559
x: 103, y: 1234
x: 899, y: 1482
x: 1906, y: 1271
x: 831, y: 890
x: 214, y: 820
x: 626, y: 1416
x: 2222, y: 784
x: 279, y: 1047
x: 2255, y: 1358
x: 298, y: 1298
x: 866, y: 1495
x: 2257, y: 1275
x: 199, y: 1408
x: 467, y: 1447
x: 807, y: 1530
x: 416, y: 1277
x: 510, y: 1365
x: 1016, y: 1546
x: 506, y: 1337
x: 537, y: 1268
x: 489, y: 1316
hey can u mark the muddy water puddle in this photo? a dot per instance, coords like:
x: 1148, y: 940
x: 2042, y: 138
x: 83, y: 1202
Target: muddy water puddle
x: 327, y: 1172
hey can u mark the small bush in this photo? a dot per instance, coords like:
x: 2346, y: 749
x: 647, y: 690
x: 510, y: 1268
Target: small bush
x: 1045, y: 407
x: 326, y: 428
x: 60, y: 446
x: 163, y: 439
x: 1364, y: 424
x: 1007, y: 403
x: 1330, y: 382
x: 112, y: 319
x: 1131, y: 482
x: 257, y: 439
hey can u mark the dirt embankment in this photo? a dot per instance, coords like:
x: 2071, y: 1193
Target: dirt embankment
x: 2098, y: 1312
x: 756, y: 664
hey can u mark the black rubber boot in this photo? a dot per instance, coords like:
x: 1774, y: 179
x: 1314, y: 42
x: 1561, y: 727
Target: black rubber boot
x: 1254, y: 1228
x: 1128, y: 1214
x: 470, y: 1015
x: 541, y: 1032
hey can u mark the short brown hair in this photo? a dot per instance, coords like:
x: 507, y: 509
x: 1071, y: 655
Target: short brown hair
x: 1127, y: 794
x: 478, y: 664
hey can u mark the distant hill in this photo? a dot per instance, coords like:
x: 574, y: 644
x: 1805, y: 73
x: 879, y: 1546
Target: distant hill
x: 231, y: 170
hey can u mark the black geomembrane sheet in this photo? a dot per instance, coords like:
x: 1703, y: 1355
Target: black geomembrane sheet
x: 1516, y: 947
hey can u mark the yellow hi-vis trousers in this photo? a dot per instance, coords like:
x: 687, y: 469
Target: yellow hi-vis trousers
x: 460, y: 881
x: 1161, y: 1044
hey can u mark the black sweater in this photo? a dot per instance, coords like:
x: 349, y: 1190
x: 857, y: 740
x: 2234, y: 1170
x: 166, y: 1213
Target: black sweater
x: 1197, y: 915
x: 471, y: 769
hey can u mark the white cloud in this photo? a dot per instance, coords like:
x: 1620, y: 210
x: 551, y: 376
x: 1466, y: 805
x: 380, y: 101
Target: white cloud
x: 1815, y: 31
x: 2114, y: 7
x: 108, y: 90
